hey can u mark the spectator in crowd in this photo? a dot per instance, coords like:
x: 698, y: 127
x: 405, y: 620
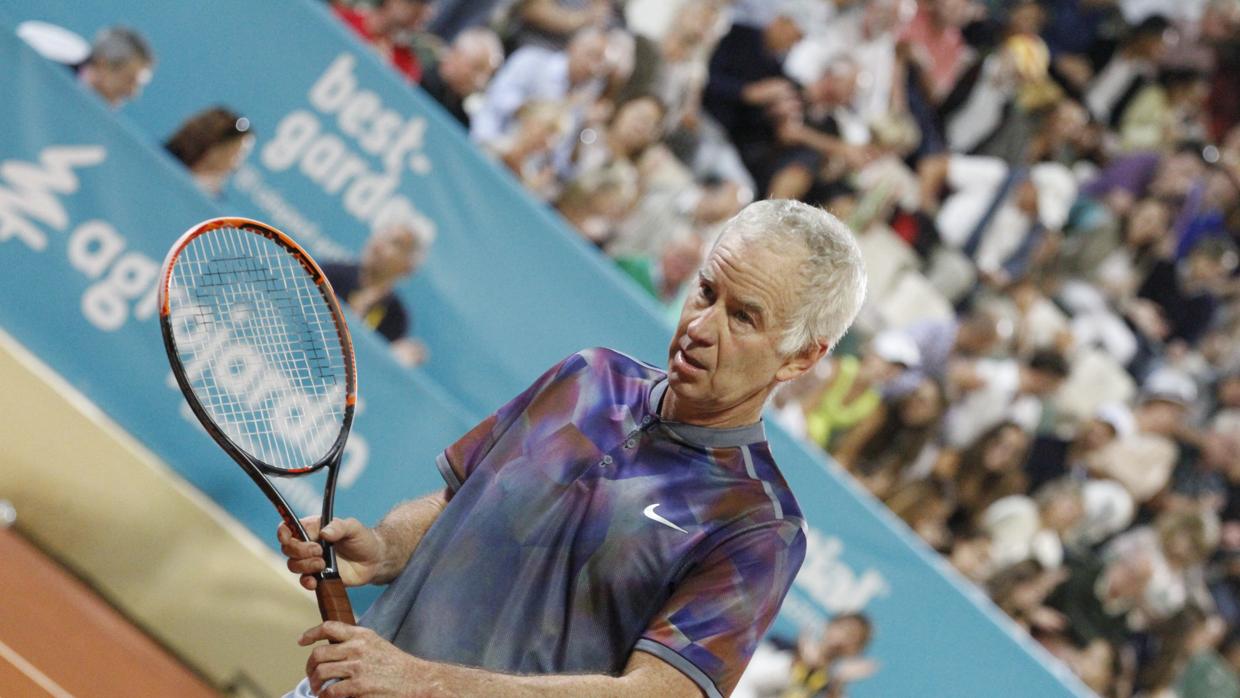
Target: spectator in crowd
x: 1035, y: 528
x: 824, y: 666
x: 816, y: 139
x: 747, y: 92
x: 936, y: 44
x: 574, y: 76
x: 529, y: 146
x: 842, y: 393
x: 596, y: 202
x: 1134, y: 64
x: 119, y: 65
x: 1143, y: 461
x: 388, y: 27
x: 897, y: 441
x: 391, y: 254
x: 212, y: 144
x: 991, y: 390
x: 552, y: 23
x: 987, y: 470
x: 1100, y: 593
x: 1167, y: 111
x: 462, y: 70
x: 636, y: 126
x: 974, y: 334
x: 674, y: 68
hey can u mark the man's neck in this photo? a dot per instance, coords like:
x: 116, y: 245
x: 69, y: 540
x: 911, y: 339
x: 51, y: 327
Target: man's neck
x: 744, y: 414
x: 370, y: 282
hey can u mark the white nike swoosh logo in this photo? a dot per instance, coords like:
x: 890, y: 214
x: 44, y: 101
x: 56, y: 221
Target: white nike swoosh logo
x: 648, y: 512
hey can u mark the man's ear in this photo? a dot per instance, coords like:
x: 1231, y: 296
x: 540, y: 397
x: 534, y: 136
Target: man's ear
x: 802, y: 361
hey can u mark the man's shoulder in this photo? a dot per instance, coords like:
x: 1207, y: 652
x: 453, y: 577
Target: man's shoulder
x: 604, y: 361
x: 529, y: 56
x: 783, y: 504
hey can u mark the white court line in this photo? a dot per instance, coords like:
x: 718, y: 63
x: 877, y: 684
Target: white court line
x: 32, y: 672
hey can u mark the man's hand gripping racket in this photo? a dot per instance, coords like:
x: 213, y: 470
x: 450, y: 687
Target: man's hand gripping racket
x: 260, y: 349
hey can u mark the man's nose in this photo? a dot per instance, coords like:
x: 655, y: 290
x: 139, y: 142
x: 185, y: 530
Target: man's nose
x: 704, y: 329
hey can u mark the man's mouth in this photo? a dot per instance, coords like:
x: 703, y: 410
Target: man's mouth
x: 689, y: 361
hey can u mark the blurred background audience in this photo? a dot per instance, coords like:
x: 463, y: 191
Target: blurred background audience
x: 1045, y: 381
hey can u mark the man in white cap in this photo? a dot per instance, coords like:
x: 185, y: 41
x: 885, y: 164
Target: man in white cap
x: 1143, y: 461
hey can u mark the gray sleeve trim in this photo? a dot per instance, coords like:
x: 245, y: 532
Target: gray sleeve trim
x: 683, y: 665
x: 449, y: 475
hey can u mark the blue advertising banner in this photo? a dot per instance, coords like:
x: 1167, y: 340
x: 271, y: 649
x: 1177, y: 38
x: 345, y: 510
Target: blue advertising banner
x: 87, y: 209
x: 87, y: 213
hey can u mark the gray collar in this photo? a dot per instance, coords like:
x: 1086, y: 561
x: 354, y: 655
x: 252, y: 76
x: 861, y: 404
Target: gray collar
x: 705, y: 437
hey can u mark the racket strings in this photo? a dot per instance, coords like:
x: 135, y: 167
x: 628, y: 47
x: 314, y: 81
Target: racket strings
x: 260, y: 346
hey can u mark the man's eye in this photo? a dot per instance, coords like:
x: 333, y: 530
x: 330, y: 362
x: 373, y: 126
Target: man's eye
x: 743, y: 317
x: 707, y: 292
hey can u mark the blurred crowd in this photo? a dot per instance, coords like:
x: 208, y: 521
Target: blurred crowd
x: 1045, y: 381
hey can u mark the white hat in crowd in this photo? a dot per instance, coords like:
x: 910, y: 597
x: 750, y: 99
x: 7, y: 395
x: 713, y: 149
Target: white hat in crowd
x: 1169, y: 385
x: 1118, y: 417
x: 897, y: 347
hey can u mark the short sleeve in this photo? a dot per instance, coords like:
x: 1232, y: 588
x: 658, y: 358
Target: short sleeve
x: 459, y: 460
x: 711, y: 624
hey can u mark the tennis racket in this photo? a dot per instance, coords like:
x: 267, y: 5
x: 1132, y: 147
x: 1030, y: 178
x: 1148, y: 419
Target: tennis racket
x: 261, y: 351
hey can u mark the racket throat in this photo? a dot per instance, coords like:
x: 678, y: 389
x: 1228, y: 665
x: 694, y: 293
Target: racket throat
x: 331, y: 570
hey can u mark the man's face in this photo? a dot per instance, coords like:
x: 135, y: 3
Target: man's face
x: 837, y: 86
x: 637, y: 124
x: 587, y: 57
x: 467, y: 68
x: 1148, y: 222
x: 724, y: 359
x: 392, y: 254
x: 1161, y: 416
x: 845, y: 637
x: 781, y: 35
x: 121, y: 82
x: 405, y: 15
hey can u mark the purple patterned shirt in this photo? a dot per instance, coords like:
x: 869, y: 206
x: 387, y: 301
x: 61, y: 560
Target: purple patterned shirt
x: 582, y: 527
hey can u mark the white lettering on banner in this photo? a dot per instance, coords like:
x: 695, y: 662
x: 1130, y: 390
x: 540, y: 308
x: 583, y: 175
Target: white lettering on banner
x: 307, y: 424
x: 26, y: 191
x: 29, y: 193
x: 249, y: 180
x: 95, y: 247
x: 831, y: 583
x: 393, y: 143
x: 803, y: 614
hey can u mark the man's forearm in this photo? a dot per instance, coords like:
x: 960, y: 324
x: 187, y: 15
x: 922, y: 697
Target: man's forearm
x: 366, y: 664
x: 402, y: 529
x: 467, y: 681
x: 645, y: 676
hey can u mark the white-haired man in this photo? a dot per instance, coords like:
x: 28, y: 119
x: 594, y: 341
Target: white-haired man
x: 119, y: 65
x: 616, y: 529
x: 392, y: 253
x: 463, y: 69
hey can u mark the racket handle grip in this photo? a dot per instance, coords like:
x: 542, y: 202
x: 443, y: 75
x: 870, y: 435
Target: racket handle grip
x: 333, y: 601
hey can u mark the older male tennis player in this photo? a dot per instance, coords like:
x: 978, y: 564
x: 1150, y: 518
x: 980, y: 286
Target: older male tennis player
x: 614, y: 530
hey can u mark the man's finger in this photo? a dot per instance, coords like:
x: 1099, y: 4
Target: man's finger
x: 301, y: 549
x: 342, y: 689
x: 325, y: 655
x: 338, y: 528
x: 311, y: 524
x: 332, y: 631
x: 327, y: 675
x: 309, y: 581
x: 307, y: 566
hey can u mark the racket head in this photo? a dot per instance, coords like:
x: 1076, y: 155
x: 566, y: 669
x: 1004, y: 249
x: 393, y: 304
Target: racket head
x: 259, y: 346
